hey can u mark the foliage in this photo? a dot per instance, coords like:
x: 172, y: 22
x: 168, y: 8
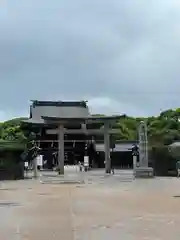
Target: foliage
x: 11, y: 146
x: 163, y: 162
x: 11, y: 165
x: 11, y: 130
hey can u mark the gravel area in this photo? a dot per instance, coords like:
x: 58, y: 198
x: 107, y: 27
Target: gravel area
x: 96, y: 207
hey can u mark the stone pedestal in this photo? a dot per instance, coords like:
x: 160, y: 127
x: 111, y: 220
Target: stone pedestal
x: 144, y: 172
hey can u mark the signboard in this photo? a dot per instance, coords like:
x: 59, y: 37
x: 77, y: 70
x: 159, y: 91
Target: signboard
x: 26, y: 164
x: 40, y: 160
x: 86, y: 161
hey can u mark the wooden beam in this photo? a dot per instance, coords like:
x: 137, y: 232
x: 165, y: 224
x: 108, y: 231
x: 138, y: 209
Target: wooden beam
x: 81, y: 131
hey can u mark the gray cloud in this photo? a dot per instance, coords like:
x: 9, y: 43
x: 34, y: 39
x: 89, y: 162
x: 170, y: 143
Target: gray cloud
x: 122, y: 55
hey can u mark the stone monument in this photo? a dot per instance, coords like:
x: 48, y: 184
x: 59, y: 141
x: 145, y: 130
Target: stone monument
x: 143, y: 170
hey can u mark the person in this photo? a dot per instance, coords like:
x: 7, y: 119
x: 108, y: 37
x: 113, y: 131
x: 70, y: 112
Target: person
x: 178, y: 168
x: 80, y: 166
x: 112, y: 169
x: 112, y: 165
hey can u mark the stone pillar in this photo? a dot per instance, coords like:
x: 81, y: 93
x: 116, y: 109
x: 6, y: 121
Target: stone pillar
x: 143, y: 170
x: 61, y: 149
x: 107, y: 148
x: 35, y: 167
x: 146, y: 146
x: 143, y: 145
x: 134, y: 161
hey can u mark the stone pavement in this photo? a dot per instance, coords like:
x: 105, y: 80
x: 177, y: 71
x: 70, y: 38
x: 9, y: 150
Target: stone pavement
x: 102, y: 207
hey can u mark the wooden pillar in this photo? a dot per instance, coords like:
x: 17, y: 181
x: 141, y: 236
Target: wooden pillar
x: 61, y: 149
x: 107, y: 148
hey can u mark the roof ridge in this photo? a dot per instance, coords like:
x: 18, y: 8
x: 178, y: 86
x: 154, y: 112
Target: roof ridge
x: 60, y: 103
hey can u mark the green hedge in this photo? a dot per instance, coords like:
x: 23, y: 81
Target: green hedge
x: 163, y: 163
x: 12, y: 145
x: 11, y: 164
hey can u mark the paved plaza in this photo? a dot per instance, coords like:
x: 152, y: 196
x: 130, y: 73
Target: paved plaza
x: 84, y: 206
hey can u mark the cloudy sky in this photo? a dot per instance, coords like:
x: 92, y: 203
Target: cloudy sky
x: 122, y: 56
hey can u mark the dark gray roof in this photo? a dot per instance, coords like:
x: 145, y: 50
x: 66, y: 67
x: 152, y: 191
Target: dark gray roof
x: 60, y: 103
x: 51, y: 120
x: 85, y: 119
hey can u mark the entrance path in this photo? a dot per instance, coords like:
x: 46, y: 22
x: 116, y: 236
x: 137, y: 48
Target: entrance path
x: 103, y: 208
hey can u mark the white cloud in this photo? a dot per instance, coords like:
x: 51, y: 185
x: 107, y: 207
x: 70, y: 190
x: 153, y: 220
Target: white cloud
x: 109, y: 106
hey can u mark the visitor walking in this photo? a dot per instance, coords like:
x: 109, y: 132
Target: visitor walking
x: 178, y: 168
x: 80, y: 166
x: 112, y: 165
x: 112, y: 170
